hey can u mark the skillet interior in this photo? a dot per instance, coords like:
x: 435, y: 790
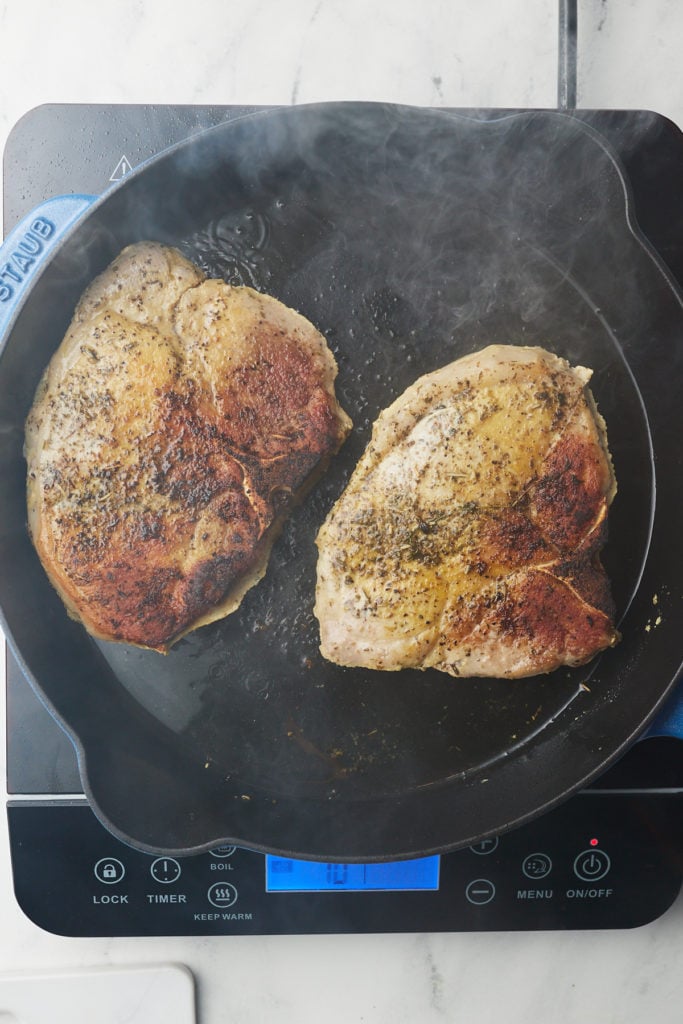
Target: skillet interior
x: 409, y: 238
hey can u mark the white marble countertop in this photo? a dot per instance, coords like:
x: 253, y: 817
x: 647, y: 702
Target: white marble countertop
x: 499, y: 53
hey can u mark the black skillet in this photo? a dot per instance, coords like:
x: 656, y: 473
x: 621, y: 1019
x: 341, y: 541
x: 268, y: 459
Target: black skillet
x: 409, y: 237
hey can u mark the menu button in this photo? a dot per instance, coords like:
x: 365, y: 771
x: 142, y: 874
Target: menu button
x: 537, y: 865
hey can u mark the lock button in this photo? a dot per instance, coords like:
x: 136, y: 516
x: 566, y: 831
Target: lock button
x: 109, y: 870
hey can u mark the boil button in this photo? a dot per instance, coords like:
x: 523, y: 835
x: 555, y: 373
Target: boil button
x: 592, y: 865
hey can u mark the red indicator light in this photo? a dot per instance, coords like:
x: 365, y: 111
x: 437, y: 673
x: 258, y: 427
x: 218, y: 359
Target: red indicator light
x: 593, y: 842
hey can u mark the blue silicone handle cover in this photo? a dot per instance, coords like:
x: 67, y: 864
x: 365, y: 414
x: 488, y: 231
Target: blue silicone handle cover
x: 27, y: 246
x: 669, y: 721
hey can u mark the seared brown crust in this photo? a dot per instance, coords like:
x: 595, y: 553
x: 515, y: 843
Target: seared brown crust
x: 469, y: 536
x: 169, y: 437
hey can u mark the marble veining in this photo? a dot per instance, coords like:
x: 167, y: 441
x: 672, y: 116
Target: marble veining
x: 626, y: 56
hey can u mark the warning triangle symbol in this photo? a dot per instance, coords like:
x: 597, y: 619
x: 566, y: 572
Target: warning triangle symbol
x: 122, y: 168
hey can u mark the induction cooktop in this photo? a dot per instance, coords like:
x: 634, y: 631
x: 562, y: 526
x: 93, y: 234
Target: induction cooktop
x: 610, y: 857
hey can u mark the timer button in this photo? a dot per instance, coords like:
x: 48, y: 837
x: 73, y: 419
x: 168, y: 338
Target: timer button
x: 591, y: 865
x: 166, y: 870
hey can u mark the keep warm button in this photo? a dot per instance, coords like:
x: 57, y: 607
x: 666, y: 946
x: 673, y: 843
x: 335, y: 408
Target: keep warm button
x: 591, y: 865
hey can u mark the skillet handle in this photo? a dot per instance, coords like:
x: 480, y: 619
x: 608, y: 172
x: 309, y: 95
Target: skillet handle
x: 23, y: 252
x: 669, y: 721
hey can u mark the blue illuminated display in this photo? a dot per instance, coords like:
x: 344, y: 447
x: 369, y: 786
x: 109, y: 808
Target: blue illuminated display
x: 284, y: 875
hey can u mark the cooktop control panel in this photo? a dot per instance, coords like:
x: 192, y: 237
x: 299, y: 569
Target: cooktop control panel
x: 592, y: 863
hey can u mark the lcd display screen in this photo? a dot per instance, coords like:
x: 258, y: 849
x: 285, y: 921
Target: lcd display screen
x: 285, y: 875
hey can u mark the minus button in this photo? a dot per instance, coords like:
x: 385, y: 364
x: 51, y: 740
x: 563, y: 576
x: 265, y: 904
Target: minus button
x: 480, y: 891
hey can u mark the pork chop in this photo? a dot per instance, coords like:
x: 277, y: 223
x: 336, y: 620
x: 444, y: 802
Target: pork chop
x: 468, y: 537
x: 169, y: 437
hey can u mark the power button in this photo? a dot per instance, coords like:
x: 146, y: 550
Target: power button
x: 592, y: 865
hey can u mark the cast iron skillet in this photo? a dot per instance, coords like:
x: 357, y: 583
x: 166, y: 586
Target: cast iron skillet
x: 409, y: 237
